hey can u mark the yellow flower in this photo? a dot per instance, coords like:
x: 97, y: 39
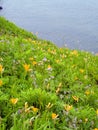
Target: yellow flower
x: 31, y: 58
x: 68, y: 107
x: 1, y: 82
x: 14, y: 100
x: 27, y: 108
x: 63, y: 56
x: 76, y: 78
x: 34, y: 62
x: 58, y: 90
x: 54, y: 116
x: 53, y: 52
x: 60, y: 49
x: 49, y: 105
x: 33, y: 42
x: 60, y: 85
x: 35, y: 109
x: 74, y: 52
x: 85, y: 77
x: 87, y: 92
x: 1, y: 68
x: 96, y: 129
x: 86, y: 119
x: 26, y: 67
x: 81, y: 71
x: 57, y: 61
x: 97, y: 112
x: 75, y: 98
x: 26, y: 105
x: 49, y: 50
x: 29, y: 39
x: 48, y: 85
x: 49, y: 67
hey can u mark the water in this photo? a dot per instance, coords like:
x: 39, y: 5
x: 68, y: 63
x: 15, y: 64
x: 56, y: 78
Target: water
x: 71, y: 22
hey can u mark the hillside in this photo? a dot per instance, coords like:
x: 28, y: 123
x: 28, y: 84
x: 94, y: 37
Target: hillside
x: 43, y: 87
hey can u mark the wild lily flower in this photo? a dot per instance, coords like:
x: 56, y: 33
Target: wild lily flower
x: 29, y: 39
x: 60, y: 49
x: 53, y: 52
x: 26, y: 67
x: 33, y: 42
x: 68, y: 107
x: 95, y: 128
x: 14, y: 100
x: 63, y: 56
x: 1, y: 82
x: 87, y: 92
x: 81, y: 71
x: 60, y: 85
x: 85, y: 77
x: 27, y: 108
x: 49, y: 50
x: 31, y: 58
x: 54, y: 116
x: 75, y: 98
x: 57, y: 61
x: 26, y: 105
x: 34, y: 62
x: 58, y: 90
x: 86, y: 119
x: 49, y: 105
x: 35, y: 109
x: 97, y: 112
x: 1, y: 68
x: 76, y: 78
x: 74, y: 52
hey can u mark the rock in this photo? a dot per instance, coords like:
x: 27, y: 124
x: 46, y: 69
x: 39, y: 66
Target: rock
x: 1, y: 7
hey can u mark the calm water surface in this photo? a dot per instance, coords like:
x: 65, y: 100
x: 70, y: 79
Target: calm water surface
x: 71, y: 22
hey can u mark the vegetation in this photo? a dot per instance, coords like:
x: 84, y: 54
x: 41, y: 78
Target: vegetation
x: 43, y: 87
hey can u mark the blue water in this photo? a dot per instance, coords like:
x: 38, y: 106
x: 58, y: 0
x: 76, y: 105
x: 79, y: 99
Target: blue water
x: 65, y: 22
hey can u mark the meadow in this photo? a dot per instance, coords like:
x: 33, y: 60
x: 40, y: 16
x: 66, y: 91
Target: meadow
x: 44, y: 87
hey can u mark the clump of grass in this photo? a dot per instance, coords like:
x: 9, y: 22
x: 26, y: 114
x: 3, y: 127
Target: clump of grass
x: 44, y: 87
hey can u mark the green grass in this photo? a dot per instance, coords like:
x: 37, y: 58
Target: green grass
x: 43, y: 87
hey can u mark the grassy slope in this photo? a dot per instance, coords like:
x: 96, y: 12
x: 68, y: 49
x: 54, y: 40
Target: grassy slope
x: 40, y: 82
